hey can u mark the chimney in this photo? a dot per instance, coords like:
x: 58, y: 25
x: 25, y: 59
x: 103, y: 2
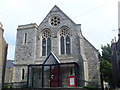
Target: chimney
x: 1, y: 28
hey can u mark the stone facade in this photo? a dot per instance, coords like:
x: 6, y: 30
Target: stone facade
x: 3, y: 55
x: 29, y: 47
x: 115, y: 60
x: 8, y: 72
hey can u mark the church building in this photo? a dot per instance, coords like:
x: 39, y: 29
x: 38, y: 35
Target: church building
x: 115, y: 55
x: 54, y: 54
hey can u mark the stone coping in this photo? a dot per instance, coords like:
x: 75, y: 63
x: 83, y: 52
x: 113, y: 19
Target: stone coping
x: 27, y: 26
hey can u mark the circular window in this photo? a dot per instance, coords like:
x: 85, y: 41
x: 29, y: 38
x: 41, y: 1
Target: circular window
x: 55, y: 21
x: 46, y: 34
x: 65, y: 31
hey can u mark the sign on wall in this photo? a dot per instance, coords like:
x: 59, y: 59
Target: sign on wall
x: 72, y: 81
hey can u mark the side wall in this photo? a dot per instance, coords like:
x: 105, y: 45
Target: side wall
x: 93, y: 64
x: 24, y: 51
x: 3, y: 55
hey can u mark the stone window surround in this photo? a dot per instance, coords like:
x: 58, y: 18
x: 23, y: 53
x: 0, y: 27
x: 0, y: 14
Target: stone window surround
x: 55, y: 20
x: 45, y: 36
x: 65, y: 35
x: 25, y: 38
x: 58, y: 34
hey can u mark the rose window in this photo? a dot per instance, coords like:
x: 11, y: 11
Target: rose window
x: 55, y: 21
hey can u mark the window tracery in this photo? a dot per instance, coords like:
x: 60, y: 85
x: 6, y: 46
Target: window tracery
x: 55, y: 20
x: 65, y: 40
x: 46, y: 42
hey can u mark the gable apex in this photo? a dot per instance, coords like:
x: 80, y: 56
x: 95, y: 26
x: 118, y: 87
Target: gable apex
x: 51, y: 59
x: 55, y: 8
x: 55, y: 11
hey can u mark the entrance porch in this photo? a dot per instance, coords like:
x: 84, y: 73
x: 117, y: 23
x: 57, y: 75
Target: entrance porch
x: 52, y: 75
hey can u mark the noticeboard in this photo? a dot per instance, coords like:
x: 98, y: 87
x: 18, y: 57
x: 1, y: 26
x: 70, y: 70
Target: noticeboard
x: 72, y: 81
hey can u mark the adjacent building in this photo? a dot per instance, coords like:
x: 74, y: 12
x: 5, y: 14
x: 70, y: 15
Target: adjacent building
x: 3, y: 55
x: 115, y: 58
x: 9, y: 72
x: 54, y: 54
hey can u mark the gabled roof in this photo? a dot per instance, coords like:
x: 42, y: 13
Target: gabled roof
x: 91, y: 44
x: 54, y: 10
x: 56, y: 7
x: 51, y: 59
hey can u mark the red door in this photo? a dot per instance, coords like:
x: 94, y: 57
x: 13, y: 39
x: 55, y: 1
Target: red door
x: 54, y: 77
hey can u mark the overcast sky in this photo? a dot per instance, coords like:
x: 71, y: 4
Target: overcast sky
x: 98, y: 18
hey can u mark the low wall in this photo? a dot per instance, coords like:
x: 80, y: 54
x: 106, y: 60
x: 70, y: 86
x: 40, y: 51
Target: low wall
x: 46, y: 89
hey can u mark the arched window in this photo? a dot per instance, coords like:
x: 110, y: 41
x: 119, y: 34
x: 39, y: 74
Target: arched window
x: 65, y: 40
x: 62, y: 45
x: 23, y: 74
x: 46, y: 42
x: 25, y: 38
x: 43, y: 47
x: 67, y: 45
x: 48, y: 45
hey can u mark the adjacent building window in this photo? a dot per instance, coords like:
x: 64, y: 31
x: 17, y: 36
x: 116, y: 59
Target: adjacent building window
x: 65, y: 40
x: 23, y: 74
x: 46, y: 42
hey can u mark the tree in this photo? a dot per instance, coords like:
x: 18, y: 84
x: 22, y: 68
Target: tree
x: 105, y: 64
x: 106, y: 52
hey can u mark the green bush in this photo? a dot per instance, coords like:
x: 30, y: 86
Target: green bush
x: 7, y: 87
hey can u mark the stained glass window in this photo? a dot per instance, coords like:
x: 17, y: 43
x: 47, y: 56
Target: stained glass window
x: 62, y: 45
x: 48, y: 45
x: 67, y: 45
x: 46, y: 42
x: 65, y: 40
x: 43, y: 47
